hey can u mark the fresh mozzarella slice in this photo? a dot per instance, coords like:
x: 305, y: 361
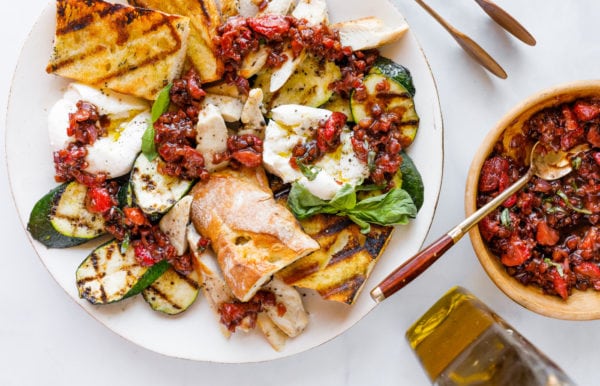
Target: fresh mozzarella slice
x: 230, y: 107
x: 115, y: 153
x: 293, y: 124
x: 108, y: 102
x: 212, y: 136
x: 368, y: 32
x: 313, y: 11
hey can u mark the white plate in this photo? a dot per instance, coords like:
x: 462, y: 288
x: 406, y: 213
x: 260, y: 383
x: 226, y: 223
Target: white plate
x: 195, y: 334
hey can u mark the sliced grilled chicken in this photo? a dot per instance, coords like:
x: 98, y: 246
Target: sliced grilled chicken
x: 252, y: 117
x: 174, y: 224
x: 229, y: 8
x: 212, y: 136
x: 254, y: 62
x: 277, y: 7
x: 368, y: 32
x: 272, y: 333
x: 315, y: 12
x: 293, y: 319
x: 230, y: 107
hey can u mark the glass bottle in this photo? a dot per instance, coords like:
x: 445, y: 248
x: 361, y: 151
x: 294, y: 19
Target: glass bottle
x: 460, y: 341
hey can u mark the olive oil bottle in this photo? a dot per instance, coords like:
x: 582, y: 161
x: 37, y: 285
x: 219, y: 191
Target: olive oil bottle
x: 460, y: 341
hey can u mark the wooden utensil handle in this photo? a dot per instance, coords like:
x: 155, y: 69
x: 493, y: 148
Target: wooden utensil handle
x: 412, y: 268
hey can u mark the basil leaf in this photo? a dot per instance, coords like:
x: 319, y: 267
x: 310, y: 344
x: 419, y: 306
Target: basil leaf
x: 566, y: 200
x: 344, y: 199
x: 303, y: 203
x: 161, y: 104
x: 505, y: 218
x: 148, y: 146
x: 393, y: 207
x: 125, y: 243
x: 310, y: 172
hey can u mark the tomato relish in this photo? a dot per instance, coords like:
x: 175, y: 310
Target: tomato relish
x: 548, y: 234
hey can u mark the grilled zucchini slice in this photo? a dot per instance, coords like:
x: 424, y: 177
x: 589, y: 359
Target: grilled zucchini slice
x: 173, y: 292
x: 308, y: 85
x: 107, y: 275
x: 393, y: 98
x: 395, y: 71
x: 60, y: 219
x: 153, y: 192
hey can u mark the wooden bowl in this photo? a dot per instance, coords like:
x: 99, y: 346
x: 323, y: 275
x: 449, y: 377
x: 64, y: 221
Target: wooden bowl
x: 581, y: 305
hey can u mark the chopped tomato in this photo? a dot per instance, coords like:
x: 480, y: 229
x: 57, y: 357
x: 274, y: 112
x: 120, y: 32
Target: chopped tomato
x: 135, y: 216
x: 143, y: 255
x: 517, y: 253
x: 589, y: 270
x: 585, y: 110
x: 546, y: 235
x: 99, y: 200
x: 560, y: 284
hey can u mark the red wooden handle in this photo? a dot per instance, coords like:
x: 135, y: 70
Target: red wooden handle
x: 412, y: 268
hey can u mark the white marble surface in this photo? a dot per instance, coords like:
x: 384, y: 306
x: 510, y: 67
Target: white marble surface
x: 48, y: 339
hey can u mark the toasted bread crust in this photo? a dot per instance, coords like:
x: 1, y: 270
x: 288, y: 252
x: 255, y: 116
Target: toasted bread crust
x: 252, y: 235
x: 130, y: 50
x: 205, y: 18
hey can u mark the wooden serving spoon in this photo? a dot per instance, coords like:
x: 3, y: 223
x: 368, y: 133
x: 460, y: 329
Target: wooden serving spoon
x: 506, y: 21
x: 547, y: 164
x: 467, y: 44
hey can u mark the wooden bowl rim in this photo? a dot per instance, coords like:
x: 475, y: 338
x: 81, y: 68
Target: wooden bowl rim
x: 581, y: 305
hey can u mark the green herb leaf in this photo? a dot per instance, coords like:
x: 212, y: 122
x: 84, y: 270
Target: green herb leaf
x: 148, y: 146
x: 310, y: 172
x: 505, y: 218
x: 576, y: 163
x: 393, y: 207
x: 559, y: 267
x: 566, y: 200
x: 125, y: 243
x: 161, y: 104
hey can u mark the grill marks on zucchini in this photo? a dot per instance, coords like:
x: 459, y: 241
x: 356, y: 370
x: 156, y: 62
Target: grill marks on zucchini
x: 308, y: 85
x: 60, y: 219
x: 394, y: 99
x: 107, y: 275
x: 173, y: 292
x: 153, y: 192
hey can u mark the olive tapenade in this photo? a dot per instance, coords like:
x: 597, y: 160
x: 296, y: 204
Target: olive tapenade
x: 548, y: 234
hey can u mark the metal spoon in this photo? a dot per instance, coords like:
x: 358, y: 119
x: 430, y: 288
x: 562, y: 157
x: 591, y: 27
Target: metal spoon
x: 546, y: 164
x: 467, y: 44
x: 506, y: 21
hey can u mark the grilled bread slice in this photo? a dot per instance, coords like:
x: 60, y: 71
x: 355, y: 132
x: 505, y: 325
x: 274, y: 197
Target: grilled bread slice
x: 130, y: 50
x: 205, y: 18
x: 340, y: 268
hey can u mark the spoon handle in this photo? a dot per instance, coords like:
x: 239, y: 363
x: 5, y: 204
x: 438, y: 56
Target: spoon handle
x: 506, y: 21
x: 417, y: 264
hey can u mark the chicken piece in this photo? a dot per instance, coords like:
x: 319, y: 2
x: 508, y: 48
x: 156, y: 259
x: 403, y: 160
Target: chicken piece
x: 314, y: 11
x: 230, y: 107
x: 174, y: 224
x: 212, y: 136
x: 252, y: 117
x: 368, y: 32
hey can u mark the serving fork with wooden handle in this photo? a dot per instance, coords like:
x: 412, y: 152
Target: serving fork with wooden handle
x: 501, y: 17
